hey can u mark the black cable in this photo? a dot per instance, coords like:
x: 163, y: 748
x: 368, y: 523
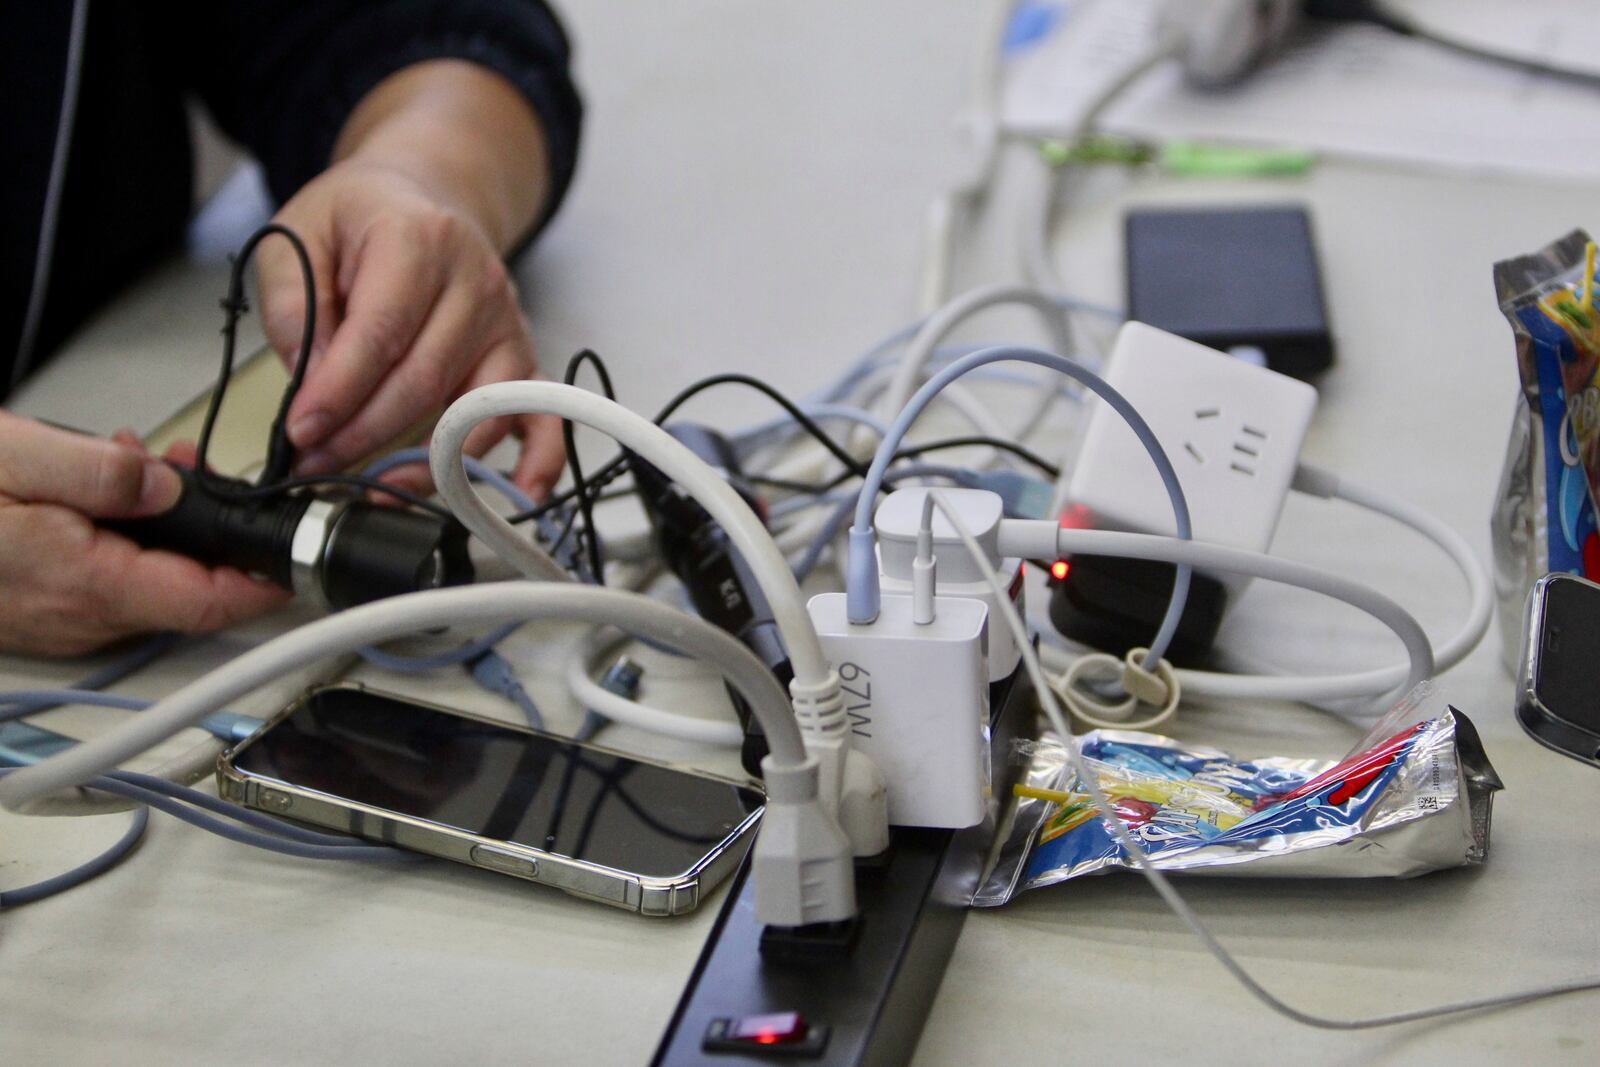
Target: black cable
x: 579, y: 486
x: 910, y: 452
x: 280, y: 453
x: 274, y: 479
x: 805, y: 421
x: 1378, y: 13
x: 977, y: 440
x: 618, y: 465
x: 355, y: 481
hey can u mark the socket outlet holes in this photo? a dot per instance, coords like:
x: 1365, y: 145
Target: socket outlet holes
x: 1247, y: 443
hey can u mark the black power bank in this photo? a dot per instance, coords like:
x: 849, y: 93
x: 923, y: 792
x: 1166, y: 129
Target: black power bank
x: 1232, y: 279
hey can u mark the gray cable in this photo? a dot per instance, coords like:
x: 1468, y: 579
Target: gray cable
x: 840, y: 516
x: 60, y: 883
x: 44, y: 252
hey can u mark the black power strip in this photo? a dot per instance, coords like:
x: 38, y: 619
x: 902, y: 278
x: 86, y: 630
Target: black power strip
x: 862, y: 998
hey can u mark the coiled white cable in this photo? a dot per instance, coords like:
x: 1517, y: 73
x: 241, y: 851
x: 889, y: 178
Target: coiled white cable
x: 1377, y: 687
x: 636, y: 713
x: 637, y: 433
x: 1025, y: 537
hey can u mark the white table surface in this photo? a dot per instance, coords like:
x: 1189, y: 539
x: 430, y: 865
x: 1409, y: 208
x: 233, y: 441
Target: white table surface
x: 750, y: 197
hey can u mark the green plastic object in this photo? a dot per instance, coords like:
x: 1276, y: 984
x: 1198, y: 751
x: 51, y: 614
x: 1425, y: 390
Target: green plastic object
x: 1184, y: 159
x: 1192, y: 159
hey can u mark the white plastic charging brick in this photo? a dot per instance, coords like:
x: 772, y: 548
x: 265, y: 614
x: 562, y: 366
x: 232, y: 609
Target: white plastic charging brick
x: 918, y: 701
x: 897, y: 520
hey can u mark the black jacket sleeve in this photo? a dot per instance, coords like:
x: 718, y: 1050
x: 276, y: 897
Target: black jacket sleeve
x: 281, y: 76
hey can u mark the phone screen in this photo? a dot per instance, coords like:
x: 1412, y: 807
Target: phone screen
x: 1569, y: 655
x: 499, y: 782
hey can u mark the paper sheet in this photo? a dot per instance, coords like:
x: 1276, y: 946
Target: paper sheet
x: 1346, y: 89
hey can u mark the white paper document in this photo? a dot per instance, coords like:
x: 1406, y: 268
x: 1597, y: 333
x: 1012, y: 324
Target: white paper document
x: 1339, y: 88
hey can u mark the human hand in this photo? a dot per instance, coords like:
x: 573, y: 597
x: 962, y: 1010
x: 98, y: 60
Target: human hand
x: 415, y: 307
x: 69, y: 587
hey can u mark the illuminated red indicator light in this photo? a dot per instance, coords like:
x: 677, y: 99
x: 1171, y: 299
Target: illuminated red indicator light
x: 1059, y: 569
x: 775, y: 1029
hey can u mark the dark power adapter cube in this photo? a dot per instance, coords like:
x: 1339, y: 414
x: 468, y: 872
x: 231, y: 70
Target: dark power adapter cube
x: 1232, y: 279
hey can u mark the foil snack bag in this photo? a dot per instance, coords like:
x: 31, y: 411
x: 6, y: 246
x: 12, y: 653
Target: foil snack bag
x: 1414, y: 796
x: 1545, y: 507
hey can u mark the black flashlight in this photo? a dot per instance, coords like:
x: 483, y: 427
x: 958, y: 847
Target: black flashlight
x: 337, y: 552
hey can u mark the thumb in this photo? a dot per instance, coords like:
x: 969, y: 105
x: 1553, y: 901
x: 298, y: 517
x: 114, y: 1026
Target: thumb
x: 103, y: 479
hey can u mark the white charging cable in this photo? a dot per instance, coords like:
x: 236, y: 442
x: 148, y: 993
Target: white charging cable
x: 852, y: 786
x: 804, y: 870
x: 1034, y: 539
x: 640, y: 435
x: 1377, y: 687
x: 414, y: 613
x: 637, y: 713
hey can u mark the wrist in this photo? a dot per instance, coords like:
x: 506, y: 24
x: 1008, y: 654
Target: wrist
x: 463, y: 135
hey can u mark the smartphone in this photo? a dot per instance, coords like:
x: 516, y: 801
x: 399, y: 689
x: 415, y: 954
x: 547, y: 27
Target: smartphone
x: 1558, y: 688
x: 587, y: 820
x: 1242, y: 280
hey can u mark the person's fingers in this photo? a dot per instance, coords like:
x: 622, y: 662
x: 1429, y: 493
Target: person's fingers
x: 101, y: 478
x: 441, y: 355
x: 393, y: 283
x: 183, y: 453
x: 71, y: 587
x: 543, y: 455
x: 133, y: 590
x: 281, y: 291
x: 126, y: 436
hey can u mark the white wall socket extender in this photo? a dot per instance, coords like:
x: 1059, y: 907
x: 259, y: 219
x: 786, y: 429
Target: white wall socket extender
x: 1233, y: 432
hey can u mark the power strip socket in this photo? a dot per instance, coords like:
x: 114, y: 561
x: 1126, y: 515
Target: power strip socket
x: 1233, y: 432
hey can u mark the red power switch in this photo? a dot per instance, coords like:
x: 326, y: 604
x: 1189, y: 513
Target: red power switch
x: 783, y: 1033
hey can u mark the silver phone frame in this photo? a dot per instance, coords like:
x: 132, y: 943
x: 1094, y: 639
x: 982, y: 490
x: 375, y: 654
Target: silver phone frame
x: 644, y: 894
x: 1538, y: 720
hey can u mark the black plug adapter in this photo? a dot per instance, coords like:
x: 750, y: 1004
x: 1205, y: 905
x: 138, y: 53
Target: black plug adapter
x: 1115, y: 604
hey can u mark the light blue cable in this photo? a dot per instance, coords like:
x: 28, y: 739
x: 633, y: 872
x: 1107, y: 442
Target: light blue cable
x: 22, y: 703
x: 257, y: 819
x: 837, y: 389
x: 60, y: 883
x: 861, y: 575
x: 244, y: 835
x: 476, y: 469
x: 143, y: 655
x: 259, y: 830
x: 836, y: 522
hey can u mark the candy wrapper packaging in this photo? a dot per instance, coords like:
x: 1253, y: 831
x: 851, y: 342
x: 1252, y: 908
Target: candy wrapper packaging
x: 1413, y: 797
x: 1544, y: 513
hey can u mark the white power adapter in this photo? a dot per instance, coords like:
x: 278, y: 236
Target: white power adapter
x: 1233, y: 432
x: 898, y: 520
x: 917, y: 694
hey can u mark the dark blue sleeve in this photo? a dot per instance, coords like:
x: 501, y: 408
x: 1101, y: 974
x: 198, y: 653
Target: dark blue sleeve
x: 281, y: 76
